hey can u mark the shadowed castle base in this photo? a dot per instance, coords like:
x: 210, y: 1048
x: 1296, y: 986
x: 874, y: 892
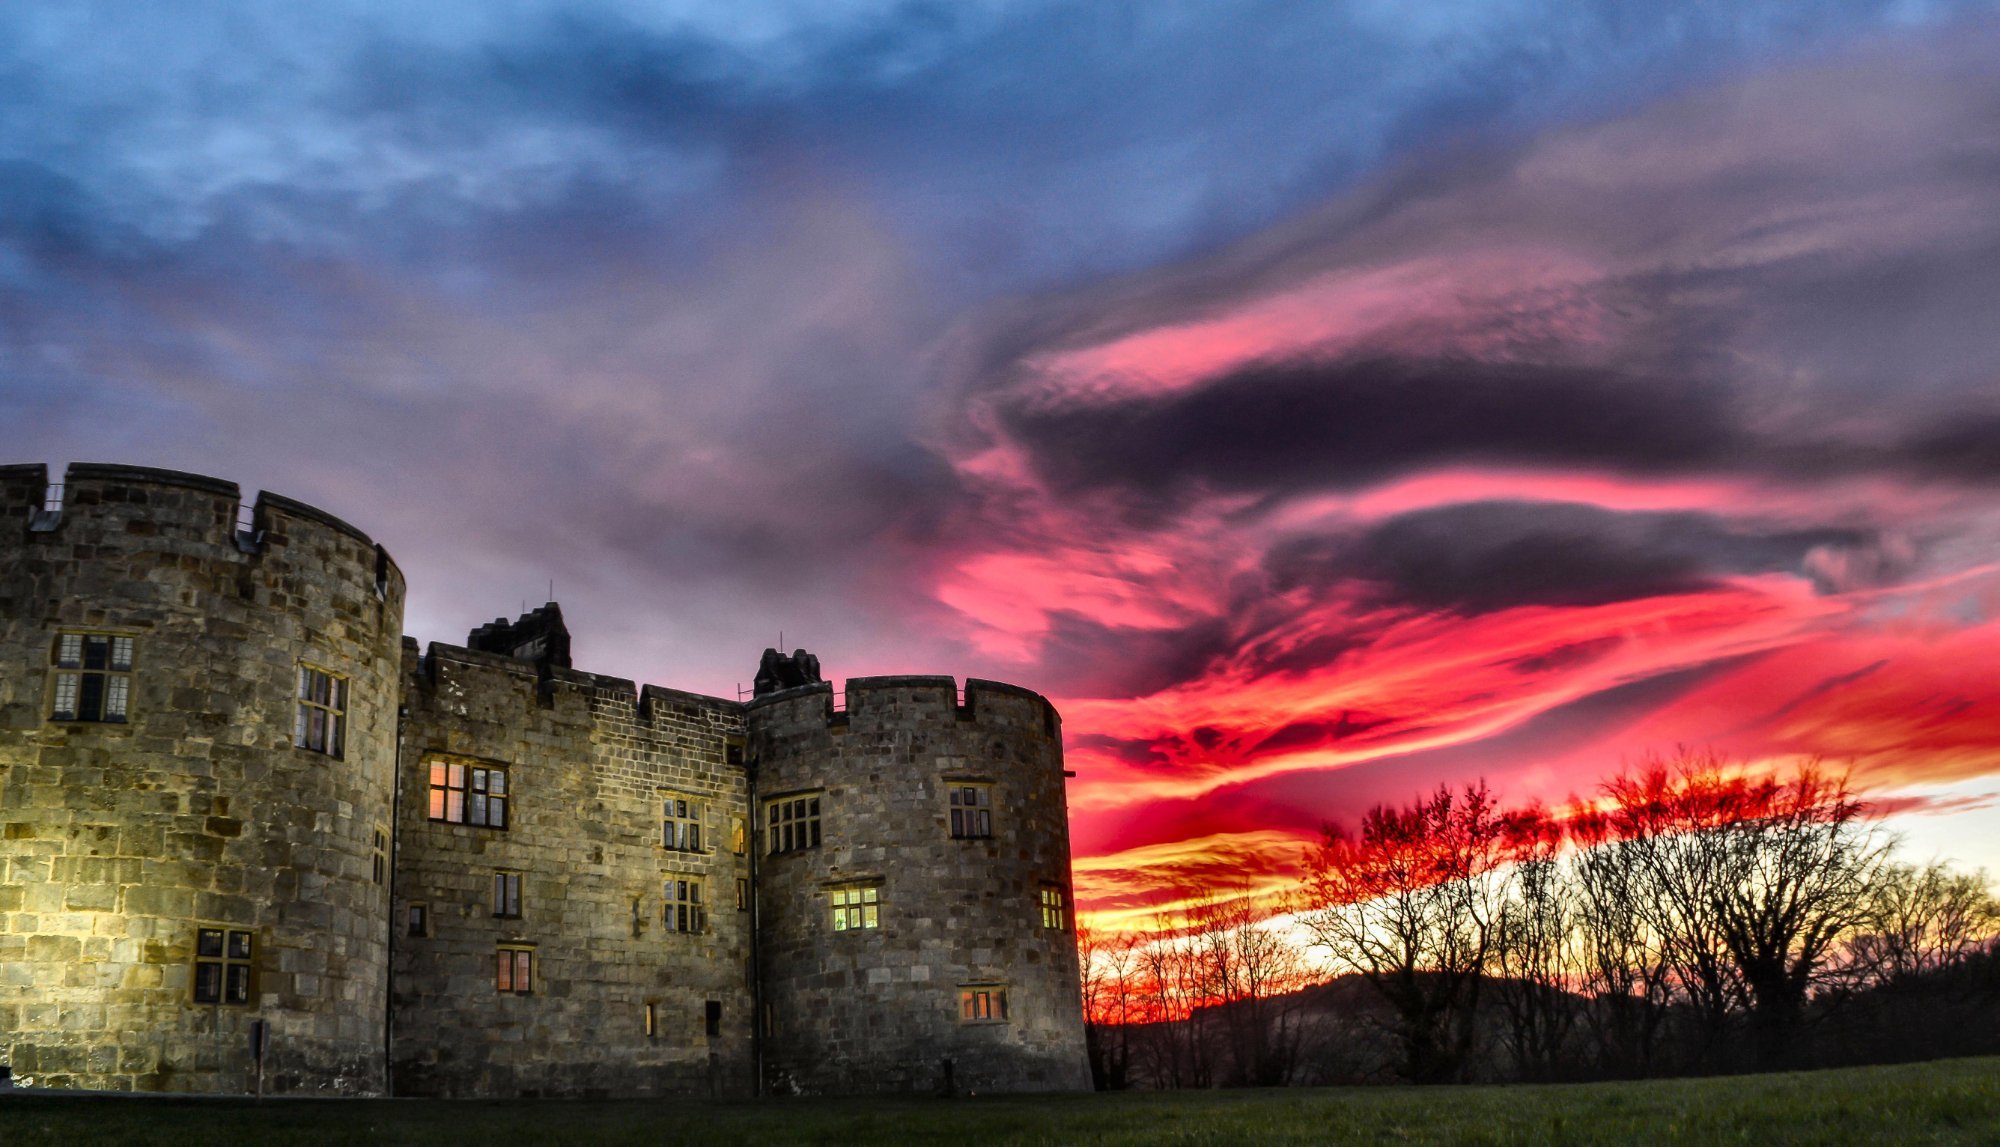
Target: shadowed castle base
x: 253, y: 838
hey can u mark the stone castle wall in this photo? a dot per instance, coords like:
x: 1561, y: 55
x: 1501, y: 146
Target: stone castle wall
x: 588, y: 761
x: 883, y: 1007
x: 124, y: 842
x: 121, y: 839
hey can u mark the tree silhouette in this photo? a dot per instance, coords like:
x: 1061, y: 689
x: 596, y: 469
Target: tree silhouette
x: 1409, y: 903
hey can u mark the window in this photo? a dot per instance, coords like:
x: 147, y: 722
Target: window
x: 652, y: 1019
x: 419, y: 920
x: 684, y: 912
x: 683, y: 824
x: 982, y: 1003
x: 794, y: 824
x: 381, y: 858
x: 93, y: 678
x: 507, y: 895
x: 222, y: 965
x: 971, y: 811
x: 738, y: 836
x: 469, y: 794
x: 1055, y: 913
x: 321, y: 725
x: 856, y: 906
x: 713, y: 1014
x: 514, y: 971
x: 742, y: 894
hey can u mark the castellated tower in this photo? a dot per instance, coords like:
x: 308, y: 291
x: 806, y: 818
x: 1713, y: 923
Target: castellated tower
x: 914, y: 889
x: 197, y: 740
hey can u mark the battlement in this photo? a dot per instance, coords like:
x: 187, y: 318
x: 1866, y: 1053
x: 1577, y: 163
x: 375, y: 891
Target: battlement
x: 147, y: 476
x: 497, y: 675
x: 880, y: 700
x: 179, y: 511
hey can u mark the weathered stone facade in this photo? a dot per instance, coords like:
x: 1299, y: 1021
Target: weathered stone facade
x: 882, y: 1006
x: 502, y: 876
x: 121, y: 837
x: 589, y: 762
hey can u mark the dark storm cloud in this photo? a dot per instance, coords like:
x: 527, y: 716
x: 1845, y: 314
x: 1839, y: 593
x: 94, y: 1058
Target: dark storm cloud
x: 1725, y: 284
x: 646, y: 297
x: 1131, y: 751
x: 1087, y: 658
x: 1300, y: 426
x: 1965, y: 447
x: 1315, y: 734
x: 1481, y: 556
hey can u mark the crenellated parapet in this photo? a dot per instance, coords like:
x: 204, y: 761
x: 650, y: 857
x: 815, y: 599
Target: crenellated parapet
x: 900, y: 697
x: 190, y: 516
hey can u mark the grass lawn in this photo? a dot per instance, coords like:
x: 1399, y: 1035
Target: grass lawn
x: 1951, y: 1101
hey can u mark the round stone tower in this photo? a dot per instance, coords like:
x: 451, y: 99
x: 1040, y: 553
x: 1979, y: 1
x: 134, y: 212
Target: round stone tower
x: 913, y: 889
x: 197, y: 744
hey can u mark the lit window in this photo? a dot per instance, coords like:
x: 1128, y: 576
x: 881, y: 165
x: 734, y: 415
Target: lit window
x: 794, y: 824
x: 507, y: 895
x: 856, y: 906
x: 321, y: 724
x: 971, y: 811
x: 514, y: 971
x: 683, y: 824
x: 1055, y: 912
x: 222, y: 966
x: 469, y: 794
x: 982, y: 1003
x: 652, y: 1020
x: 684, y: 912
x: 93, y: 678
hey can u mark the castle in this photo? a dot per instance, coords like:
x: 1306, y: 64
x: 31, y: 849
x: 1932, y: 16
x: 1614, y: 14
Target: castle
x: 255, y: 839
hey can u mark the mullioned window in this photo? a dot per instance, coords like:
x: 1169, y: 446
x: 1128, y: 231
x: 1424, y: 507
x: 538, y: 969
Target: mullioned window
x: 93, y: 677
x: 982, y: 1003
x: 793, y: 824
x: 971, y: 810
x: 469, y: 794
x: 681, y: 821
x: 321, y: 722
x: 223, y: 965
x: 856, y: 906
x: 684, y: 909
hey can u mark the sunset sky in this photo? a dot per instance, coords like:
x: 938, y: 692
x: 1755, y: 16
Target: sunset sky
x: 1319, y: 402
